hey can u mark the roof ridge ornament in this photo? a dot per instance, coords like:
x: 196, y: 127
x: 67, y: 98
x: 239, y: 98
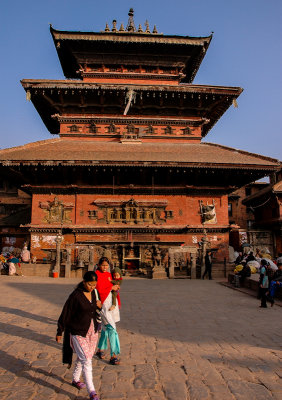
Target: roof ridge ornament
x: 114, y: 29
x: 130, y: 25
x: 147, y: 27
x: 155, y: 29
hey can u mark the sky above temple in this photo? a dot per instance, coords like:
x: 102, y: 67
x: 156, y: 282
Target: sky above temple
x: 245, y: 51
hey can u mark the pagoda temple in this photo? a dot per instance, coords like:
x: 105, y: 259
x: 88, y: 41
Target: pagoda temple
x: 127, y: 174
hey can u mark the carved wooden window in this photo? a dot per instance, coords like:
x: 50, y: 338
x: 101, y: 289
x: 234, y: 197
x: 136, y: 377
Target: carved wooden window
x: 150, y: 130
x: 168, y: 130
x: 92, y: 128
x: 187, y: 131
x: 130, y: 129
x: 93, y: 214
x: 168, y: 214
x: 74, y: 128
x: 112, y: 128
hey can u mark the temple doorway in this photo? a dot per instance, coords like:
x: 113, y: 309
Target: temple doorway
x: 131, y: 259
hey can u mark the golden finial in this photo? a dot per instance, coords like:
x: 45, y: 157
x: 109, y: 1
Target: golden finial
x: 155, y: 29
x: 107, y: 29
x: 147, y: 27
x: 121, y: 29
x: 130, y: 25
x: 114, y: 25
x: 140, y: 28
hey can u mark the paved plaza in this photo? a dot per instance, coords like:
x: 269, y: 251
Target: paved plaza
x: 181, y: 339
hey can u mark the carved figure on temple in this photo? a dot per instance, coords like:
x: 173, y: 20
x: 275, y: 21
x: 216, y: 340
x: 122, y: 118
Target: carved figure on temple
x: 56, y: 211
x: 83, y: 257
x: 164, y: 253
x: 147, y: 255
x: 115, y: 256
x: 208, y: 213
x: 157, y: 257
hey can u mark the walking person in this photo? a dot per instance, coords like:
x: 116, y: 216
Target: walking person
x: 208, y: 264
x: 78, y: 321
x: 275, y: 283
x: 109, y: 315
x: 263, y: 283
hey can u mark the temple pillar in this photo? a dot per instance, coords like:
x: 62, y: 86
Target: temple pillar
x: 91, y: 259
x: 193, y: 266
x: 171, y: 265
x: 57, y: 266
x: 204, y: 249
x: 68, y: 263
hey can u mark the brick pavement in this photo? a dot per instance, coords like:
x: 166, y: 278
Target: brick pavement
x: 181, y: 339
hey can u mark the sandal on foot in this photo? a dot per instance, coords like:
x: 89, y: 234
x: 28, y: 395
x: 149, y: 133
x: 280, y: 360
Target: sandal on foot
x: 79, y: 385
x: 100, y: 354
x: 94, y: 396
x: 114, y: 361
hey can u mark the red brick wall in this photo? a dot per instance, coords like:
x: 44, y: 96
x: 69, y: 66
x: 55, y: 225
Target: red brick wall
x: 186, y: 212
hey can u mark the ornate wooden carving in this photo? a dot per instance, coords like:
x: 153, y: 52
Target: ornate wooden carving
x: 168, y: 130
x: 74, y: 128
x: 56, y: 211
x: 186, y: 131
x: 92, y: 127
x: 132, y: 212
x: 208, y: 213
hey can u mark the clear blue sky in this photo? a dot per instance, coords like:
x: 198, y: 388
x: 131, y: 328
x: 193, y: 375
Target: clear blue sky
x: 245, y: 51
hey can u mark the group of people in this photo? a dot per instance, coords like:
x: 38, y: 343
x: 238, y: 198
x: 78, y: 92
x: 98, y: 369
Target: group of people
x: 10, y: 263
x: 270, y: 273
x: 92, y: 308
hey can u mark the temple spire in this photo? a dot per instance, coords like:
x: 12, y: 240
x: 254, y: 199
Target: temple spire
x: 130, y: 25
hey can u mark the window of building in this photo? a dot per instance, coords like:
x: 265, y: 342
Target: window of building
x: 92, y: 128
x: 186, y: 131
x: 230, y: 209
x: 74, y: 128
x: 130, y: 129
x: 112, y: 128
x: 168, y: 130
x: 150, y: 130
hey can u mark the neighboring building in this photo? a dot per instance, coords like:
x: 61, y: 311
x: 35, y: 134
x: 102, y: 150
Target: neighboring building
x: 255, y: 215
x: 266, y: 206
x: 129, y: 175
x: 15, y: 209
x: 238, y: 213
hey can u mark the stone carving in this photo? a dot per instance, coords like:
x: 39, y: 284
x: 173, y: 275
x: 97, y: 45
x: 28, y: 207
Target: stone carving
x: 82, y: 257
x: 157, y: 257
x: 208, y: 213
x: 56, y: 211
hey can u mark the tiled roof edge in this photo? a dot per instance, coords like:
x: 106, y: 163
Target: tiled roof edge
x: 245, y: 152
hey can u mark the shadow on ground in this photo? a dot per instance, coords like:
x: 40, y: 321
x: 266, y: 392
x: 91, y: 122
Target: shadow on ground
x: 189, y: 311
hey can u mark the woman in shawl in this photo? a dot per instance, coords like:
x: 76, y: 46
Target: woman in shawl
x: 79, y: 321
x: 109, y: 317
